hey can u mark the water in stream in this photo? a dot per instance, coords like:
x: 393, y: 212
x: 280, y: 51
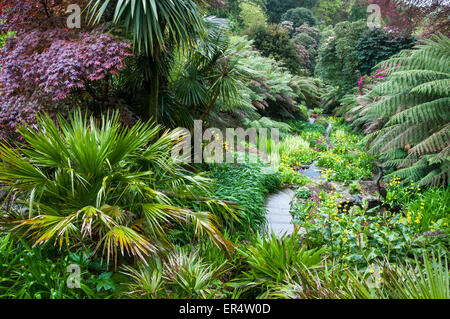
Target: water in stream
x: 313, y: 172
x: 279, y: 205
x: 278, y: 212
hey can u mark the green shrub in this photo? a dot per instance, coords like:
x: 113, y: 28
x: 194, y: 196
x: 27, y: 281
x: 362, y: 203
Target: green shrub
x: 309, y: 31
x: 275, y: 41
x: 299, y: 16
x: 338, y: 63
x: 310, y: 44
x: 275, y: 8
x: 251, y: 14
x: 331, y: 11
x: 377, y: 45
x: 305, y: 40
x: 303, y: 192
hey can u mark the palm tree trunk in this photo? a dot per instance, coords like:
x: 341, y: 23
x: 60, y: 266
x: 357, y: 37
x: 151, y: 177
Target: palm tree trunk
x: 209, y: 107
x: 153, y: 101
x: 154, y: 61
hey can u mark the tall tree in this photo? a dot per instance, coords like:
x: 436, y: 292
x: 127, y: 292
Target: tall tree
x: 275, y: 8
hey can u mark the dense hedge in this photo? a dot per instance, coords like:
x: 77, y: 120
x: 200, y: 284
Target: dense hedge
x: 377, y: 45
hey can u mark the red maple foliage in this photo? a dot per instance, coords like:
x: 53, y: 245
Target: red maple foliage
x: 406, y: 16
x: 44, y: 62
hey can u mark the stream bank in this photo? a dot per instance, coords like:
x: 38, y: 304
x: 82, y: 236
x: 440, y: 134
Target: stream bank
x: 278, y: 205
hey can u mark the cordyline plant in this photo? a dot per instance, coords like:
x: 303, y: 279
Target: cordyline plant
x: 105, y: 187
x: 156, y: 27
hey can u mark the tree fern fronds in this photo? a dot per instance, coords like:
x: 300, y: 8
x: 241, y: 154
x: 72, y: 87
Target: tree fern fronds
x: 436, y: 110
x: 433, y: 144
x: 411, y: 173
x: 437, y: 177
x: 445, y: 152
x: 408, y: 135
x: 410, y: 110
x: 414, y: 77
x: 396, y: 153
x: 392, y: 104
x: 399, y: 163
x: 382, y: 139
x: 434, y: 88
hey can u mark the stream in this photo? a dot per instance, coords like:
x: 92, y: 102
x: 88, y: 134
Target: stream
x: 278, y: 205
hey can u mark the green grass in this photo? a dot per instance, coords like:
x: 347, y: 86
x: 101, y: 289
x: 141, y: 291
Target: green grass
x: 246, y: 185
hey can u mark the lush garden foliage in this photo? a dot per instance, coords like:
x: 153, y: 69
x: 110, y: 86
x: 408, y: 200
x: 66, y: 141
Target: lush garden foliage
x: 90, y: 117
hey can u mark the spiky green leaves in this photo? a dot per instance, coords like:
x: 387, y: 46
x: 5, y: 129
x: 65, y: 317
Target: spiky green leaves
x: 106, y: 187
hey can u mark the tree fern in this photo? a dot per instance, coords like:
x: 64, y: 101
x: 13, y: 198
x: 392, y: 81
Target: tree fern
x: 414, y: 103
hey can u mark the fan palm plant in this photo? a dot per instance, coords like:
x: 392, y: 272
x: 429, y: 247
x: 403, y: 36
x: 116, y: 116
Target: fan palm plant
x: 413, y: 103
x: 105, y: 187
x: 209, y: 78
